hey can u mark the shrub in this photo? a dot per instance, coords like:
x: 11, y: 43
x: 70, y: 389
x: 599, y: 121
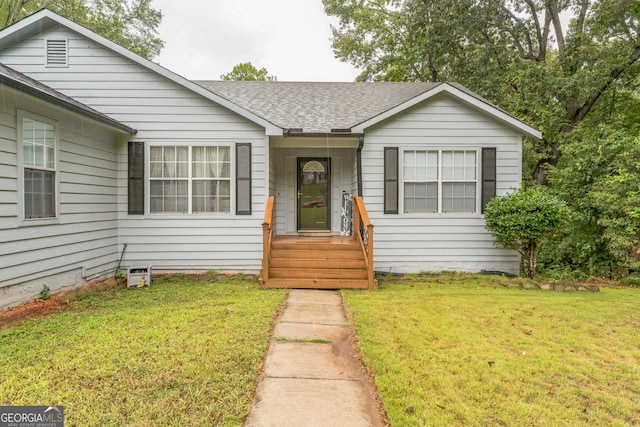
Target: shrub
x: 633, y: 280
x: 45, y: 293
x: 522, y: 219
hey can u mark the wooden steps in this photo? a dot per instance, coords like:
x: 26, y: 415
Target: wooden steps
x: 327, y: 262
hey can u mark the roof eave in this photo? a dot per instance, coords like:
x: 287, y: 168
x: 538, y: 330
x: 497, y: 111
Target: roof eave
x: 46, y: 18
x: 67, y: 105
x: 333, y: 133
x: 462, y: 96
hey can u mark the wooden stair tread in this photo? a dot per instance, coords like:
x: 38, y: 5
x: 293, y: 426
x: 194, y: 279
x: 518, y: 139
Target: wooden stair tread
x: 315, y: 247
x: 318, y: 273
x: 317, y: 283
x: 317, y: 263
x: 320, y: 256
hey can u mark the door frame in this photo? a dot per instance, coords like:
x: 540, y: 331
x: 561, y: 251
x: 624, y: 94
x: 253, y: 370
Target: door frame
x: 299, y: 163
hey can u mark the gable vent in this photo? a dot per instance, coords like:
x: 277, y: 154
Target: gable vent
x: 57, y: 53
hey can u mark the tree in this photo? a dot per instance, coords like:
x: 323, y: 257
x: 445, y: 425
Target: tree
x: 517, y: 53
x: 247, y: 72
x: 522, y: 219
x: 599, y: 176
x: 132, y: 24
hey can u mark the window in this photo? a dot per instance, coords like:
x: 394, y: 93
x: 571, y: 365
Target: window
x: 186, y: 180
x: 440, y: 181
x: 39, y: 168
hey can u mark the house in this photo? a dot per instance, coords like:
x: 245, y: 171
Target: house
x: 148, y: 168
x: 58, y: 212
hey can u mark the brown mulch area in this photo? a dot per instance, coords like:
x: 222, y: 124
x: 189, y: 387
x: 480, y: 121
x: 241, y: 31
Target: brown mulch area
x: 31, y: 309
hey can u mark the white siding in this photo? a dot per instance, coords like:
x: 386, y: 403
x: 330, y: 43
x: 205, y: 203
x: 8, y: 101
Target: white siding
x: 95, y: 179
x: 411, y: 243
x: 162, y: 112
x: 82, y: 243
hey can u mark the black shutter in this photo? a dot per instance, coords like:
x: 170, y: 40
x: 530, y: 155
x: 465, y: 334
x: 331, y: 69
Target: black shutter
x: 136, y: 178
x: 391, y: 180
x: 488, y: 175
x: 243, y: 179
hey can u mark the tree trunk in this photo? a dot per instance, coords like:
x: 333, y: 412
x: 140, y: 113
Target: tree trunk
x: 530, y: 254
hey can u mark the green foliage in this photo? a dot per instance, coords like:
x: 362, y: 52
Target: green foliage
x: 599, y: 177
x: 132, y: 24
x: 248, y: 72
x: 45, y: 293
x: 503, y: 51
x: 633, y: 280
x: 524, y: 218
x: 381, y: 38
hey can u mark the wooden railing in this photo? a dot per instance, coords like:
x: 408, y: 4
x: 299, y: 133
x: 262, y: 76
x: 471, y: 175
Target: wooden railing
x: 267, y: 235
x: 363, y: 232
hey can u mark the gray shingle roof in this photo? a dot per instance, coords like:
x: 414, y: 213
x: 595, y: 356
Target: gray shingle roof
x: 316, y: 107
x: 15, y: 79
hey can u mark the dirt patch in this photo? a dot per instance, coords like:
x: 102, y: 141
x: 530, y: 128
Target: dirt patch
x: 31, y: 309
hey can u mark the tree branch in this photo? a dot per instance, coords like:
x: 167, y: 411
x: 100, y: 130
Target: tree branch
x: 513, y: 31
x: 552, y: 8
x: 581, y: 112
x: 542, y: 39
x: 581, y: 17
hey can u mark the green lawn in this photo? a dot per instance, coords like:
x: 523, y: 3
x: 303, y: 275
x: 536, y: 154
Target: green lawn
x: 180, y: 353
x: 445, y: 350
x: 470, y: 350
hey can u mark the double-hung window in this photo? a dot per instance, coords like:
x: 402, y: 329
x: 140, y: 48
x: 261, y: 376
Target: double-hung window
x: 39, y: 168
x: 440, y: 181
x: 190, y: 179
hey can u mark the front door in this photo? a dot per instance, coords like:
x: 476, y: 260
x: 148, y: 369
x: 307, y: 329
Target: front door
x: 314, y: 194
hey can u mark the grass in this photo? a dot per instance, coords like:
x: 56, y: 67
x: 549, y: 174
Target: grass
x: 471, y: 350
x: 177, y: 353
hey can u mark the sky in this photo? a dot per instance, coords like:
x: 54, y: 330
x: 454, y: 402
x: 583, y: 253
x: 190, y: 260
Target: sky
x: 290, y: 38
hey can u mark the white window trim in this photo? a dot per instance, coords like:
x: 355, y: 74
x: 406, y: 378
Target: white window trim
x: 440, y: 149
x: 46, y: 52
x: 21, y: 205
x: 189, y: 213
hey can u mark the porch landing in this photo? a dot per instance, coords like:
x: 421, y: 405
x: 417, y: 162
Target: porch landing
x: 316, y: 262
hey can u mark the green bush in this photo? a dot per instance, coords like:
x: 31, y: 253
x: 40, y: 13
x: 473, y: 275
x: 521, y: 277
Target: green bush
x: 45, y: 293
x: 522, y: 219
x: 599, y: 178
x: 633, y: 280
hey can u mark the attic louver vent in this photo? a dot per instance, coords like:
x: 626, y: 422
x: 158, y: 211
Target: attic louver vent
x: 57, y: 53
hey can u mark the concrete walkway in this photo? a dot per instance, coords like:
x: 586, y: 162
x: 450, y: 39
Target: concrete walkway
x: 311, y: 377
